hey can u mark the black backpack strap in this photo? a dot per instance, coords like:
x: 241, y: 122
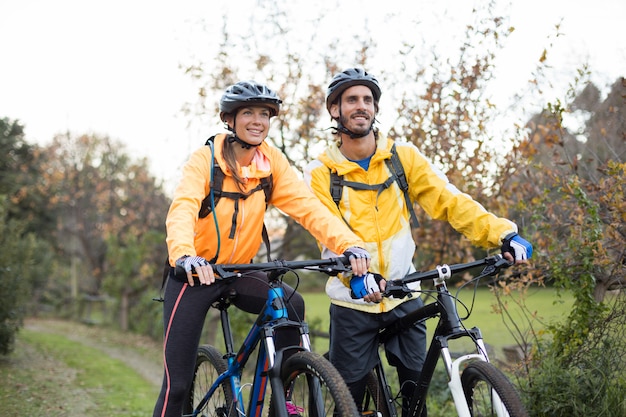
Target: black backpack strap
x: 215, y: 185
x: 397, y: 174
x: 395, y: 166
x: 336, y: 187
x: 266, y: 240
x: 337, y: 183
x: 267, y: 184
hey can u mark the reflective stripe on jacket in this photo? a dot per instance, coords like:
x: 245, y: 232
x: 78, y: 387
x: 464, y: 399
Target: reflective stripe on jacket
x: 189, y: 235
x: 382, y: 220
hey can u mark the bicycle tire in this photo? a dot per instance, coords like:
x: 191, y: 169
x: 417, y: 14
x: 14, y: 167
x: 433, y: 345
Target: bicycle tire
x: 209, y: 365
x: 373, y: 401
x: 314, y: 385
x: 479, y: 381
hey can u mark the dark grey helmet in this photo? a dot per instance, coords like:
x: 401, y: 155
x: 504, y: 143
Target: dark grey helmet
x: 245, y: 93
x: 347, y: 79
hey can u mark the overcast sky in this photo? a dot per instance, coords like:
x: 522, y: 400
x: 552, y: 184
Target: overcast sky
x: 112, y: 67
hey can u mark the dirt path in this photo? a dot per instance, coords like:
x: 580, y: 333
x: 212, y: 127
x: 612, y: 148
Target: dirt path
x: 36, y: 382
x: 137, y: 352
x: 52, y: 377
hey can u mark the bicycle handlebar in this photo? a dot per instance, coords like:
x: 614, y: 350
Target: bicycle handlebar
x: 330, y: 266
x: 493, y: 265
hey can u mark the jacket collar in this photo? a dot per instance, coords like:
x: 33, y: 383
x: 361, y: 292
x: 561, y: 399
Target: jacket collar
x: 336, y: 161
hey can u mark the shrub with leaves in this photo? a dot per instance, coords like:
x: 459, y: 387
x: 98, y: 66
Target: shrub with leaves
x: 572, y: 196
x: 15, y: 256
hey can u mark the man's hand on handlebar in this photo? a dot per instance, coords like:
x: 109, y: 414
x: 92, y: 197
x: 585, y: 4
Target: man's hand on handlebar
x: 199, y: 266
x: 516, y: 249
x: 377, y: 297
x: 369, y: 287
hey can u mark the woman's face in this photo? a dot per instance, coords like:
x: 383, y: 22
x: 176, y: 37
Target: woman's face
x: 252, y: 124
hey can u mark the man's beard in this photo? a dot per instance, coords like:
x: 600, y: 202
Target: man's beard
x: 358, y: 130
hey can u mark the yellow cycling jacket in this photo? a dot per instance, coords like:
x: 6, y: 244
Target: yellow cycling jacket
x: 187, y: 234
x: 382, y: 220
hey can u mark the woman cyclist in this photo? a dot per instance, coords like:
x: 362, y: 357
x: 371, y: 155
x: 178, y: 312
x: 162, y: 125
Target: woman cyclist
x: 231, y: 231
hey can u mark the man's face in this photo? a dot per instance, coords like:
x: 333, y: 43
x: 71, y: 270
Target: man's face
x: 356, y: 110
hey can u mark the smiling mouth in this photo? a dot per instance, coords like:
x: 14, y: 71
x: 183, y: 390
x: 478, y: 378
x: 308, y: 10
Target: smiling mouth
x: 361, y: 116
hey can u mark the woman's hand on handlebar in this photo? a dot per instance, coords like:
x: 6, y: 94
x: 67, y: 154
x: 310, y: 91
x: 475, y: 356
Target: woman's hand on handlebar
x: 199, y: 266
x: 359, y: 260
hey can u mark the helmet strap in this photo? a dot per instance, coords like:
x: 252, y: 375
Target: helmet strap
x: 344, y: 130
x: 244, y: 145
x: 234, y: 138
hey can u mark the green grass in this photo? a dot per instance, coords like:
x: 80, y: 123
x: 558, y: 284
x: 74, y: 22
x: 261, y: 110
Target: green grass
x: 50, y: 375
x: 542, y: 303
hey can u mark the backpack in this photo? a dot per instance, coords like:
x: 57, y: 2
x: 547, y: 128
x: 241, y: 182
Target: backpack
x: 397, y: 174
x: 216, y: 184
x: 217, y: 181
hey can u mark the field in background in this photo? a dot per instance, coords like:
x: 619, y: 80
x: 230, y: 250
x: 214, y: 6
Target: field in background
x: 69, y: 369
x: 543, y: 303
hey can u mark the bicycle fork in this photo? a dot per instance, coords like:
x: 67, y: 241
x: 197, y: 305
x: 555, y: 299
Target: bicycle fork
x: 454, y: 370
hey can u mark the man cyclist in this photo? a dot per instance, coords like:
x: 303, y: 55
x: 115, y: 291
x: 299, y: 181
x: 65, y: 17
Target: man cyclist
x: 375, y: 208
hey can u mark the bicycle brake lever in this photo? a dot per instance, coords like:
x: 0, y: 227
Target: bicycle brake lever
x: 495, y: 267
x: 396, y: 290
x: 334, y: 269
x: 219, y: 271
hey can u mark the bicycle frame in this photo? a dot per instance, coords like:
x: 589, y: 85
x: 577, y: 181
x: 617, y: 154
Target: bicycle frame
x: 269, y: 361
x: 448, y: 328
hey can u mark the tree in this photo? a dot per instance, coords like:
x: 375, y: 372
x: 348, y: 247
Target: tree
x: 19, y: 180
x: 13, y: 288
x: 136, y: 250
x: 576, y: 187
x: 445, y: 112
x: 571, y: 194
x: 24, y: 261
x: 26, y: 257
x: 102, y: 196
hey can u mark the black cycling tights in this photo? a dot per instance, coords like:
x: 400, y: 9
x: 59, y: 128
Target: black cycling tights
x: 184, y: 311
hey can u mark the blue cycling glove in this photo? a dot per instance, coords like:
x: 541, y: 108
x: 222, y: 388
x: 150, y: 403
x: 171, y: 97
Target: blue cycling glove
x: 517, y: 246
x: 363, y: 285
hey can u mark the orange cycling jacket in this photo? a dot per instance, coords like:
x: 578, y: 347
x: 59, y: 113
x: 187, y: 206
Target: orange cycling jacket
x: 187, y: 234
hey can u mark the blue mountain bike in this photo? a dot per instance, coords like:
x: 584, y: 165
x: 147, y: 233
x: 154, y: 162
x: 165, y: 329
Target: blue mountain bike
x: 305, y: 384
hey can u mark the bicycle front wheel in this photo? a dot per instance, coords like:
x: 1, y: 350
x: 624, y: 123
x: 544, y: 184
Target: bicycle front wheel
x: 315, y: 387
x: 209, y: 365
x: 489, y: 392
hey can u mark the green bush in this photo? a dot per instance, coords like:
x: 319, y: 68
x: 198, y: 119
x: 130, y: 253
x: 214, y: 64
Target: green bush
x: 589, y: 381
x: 14, y: 288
